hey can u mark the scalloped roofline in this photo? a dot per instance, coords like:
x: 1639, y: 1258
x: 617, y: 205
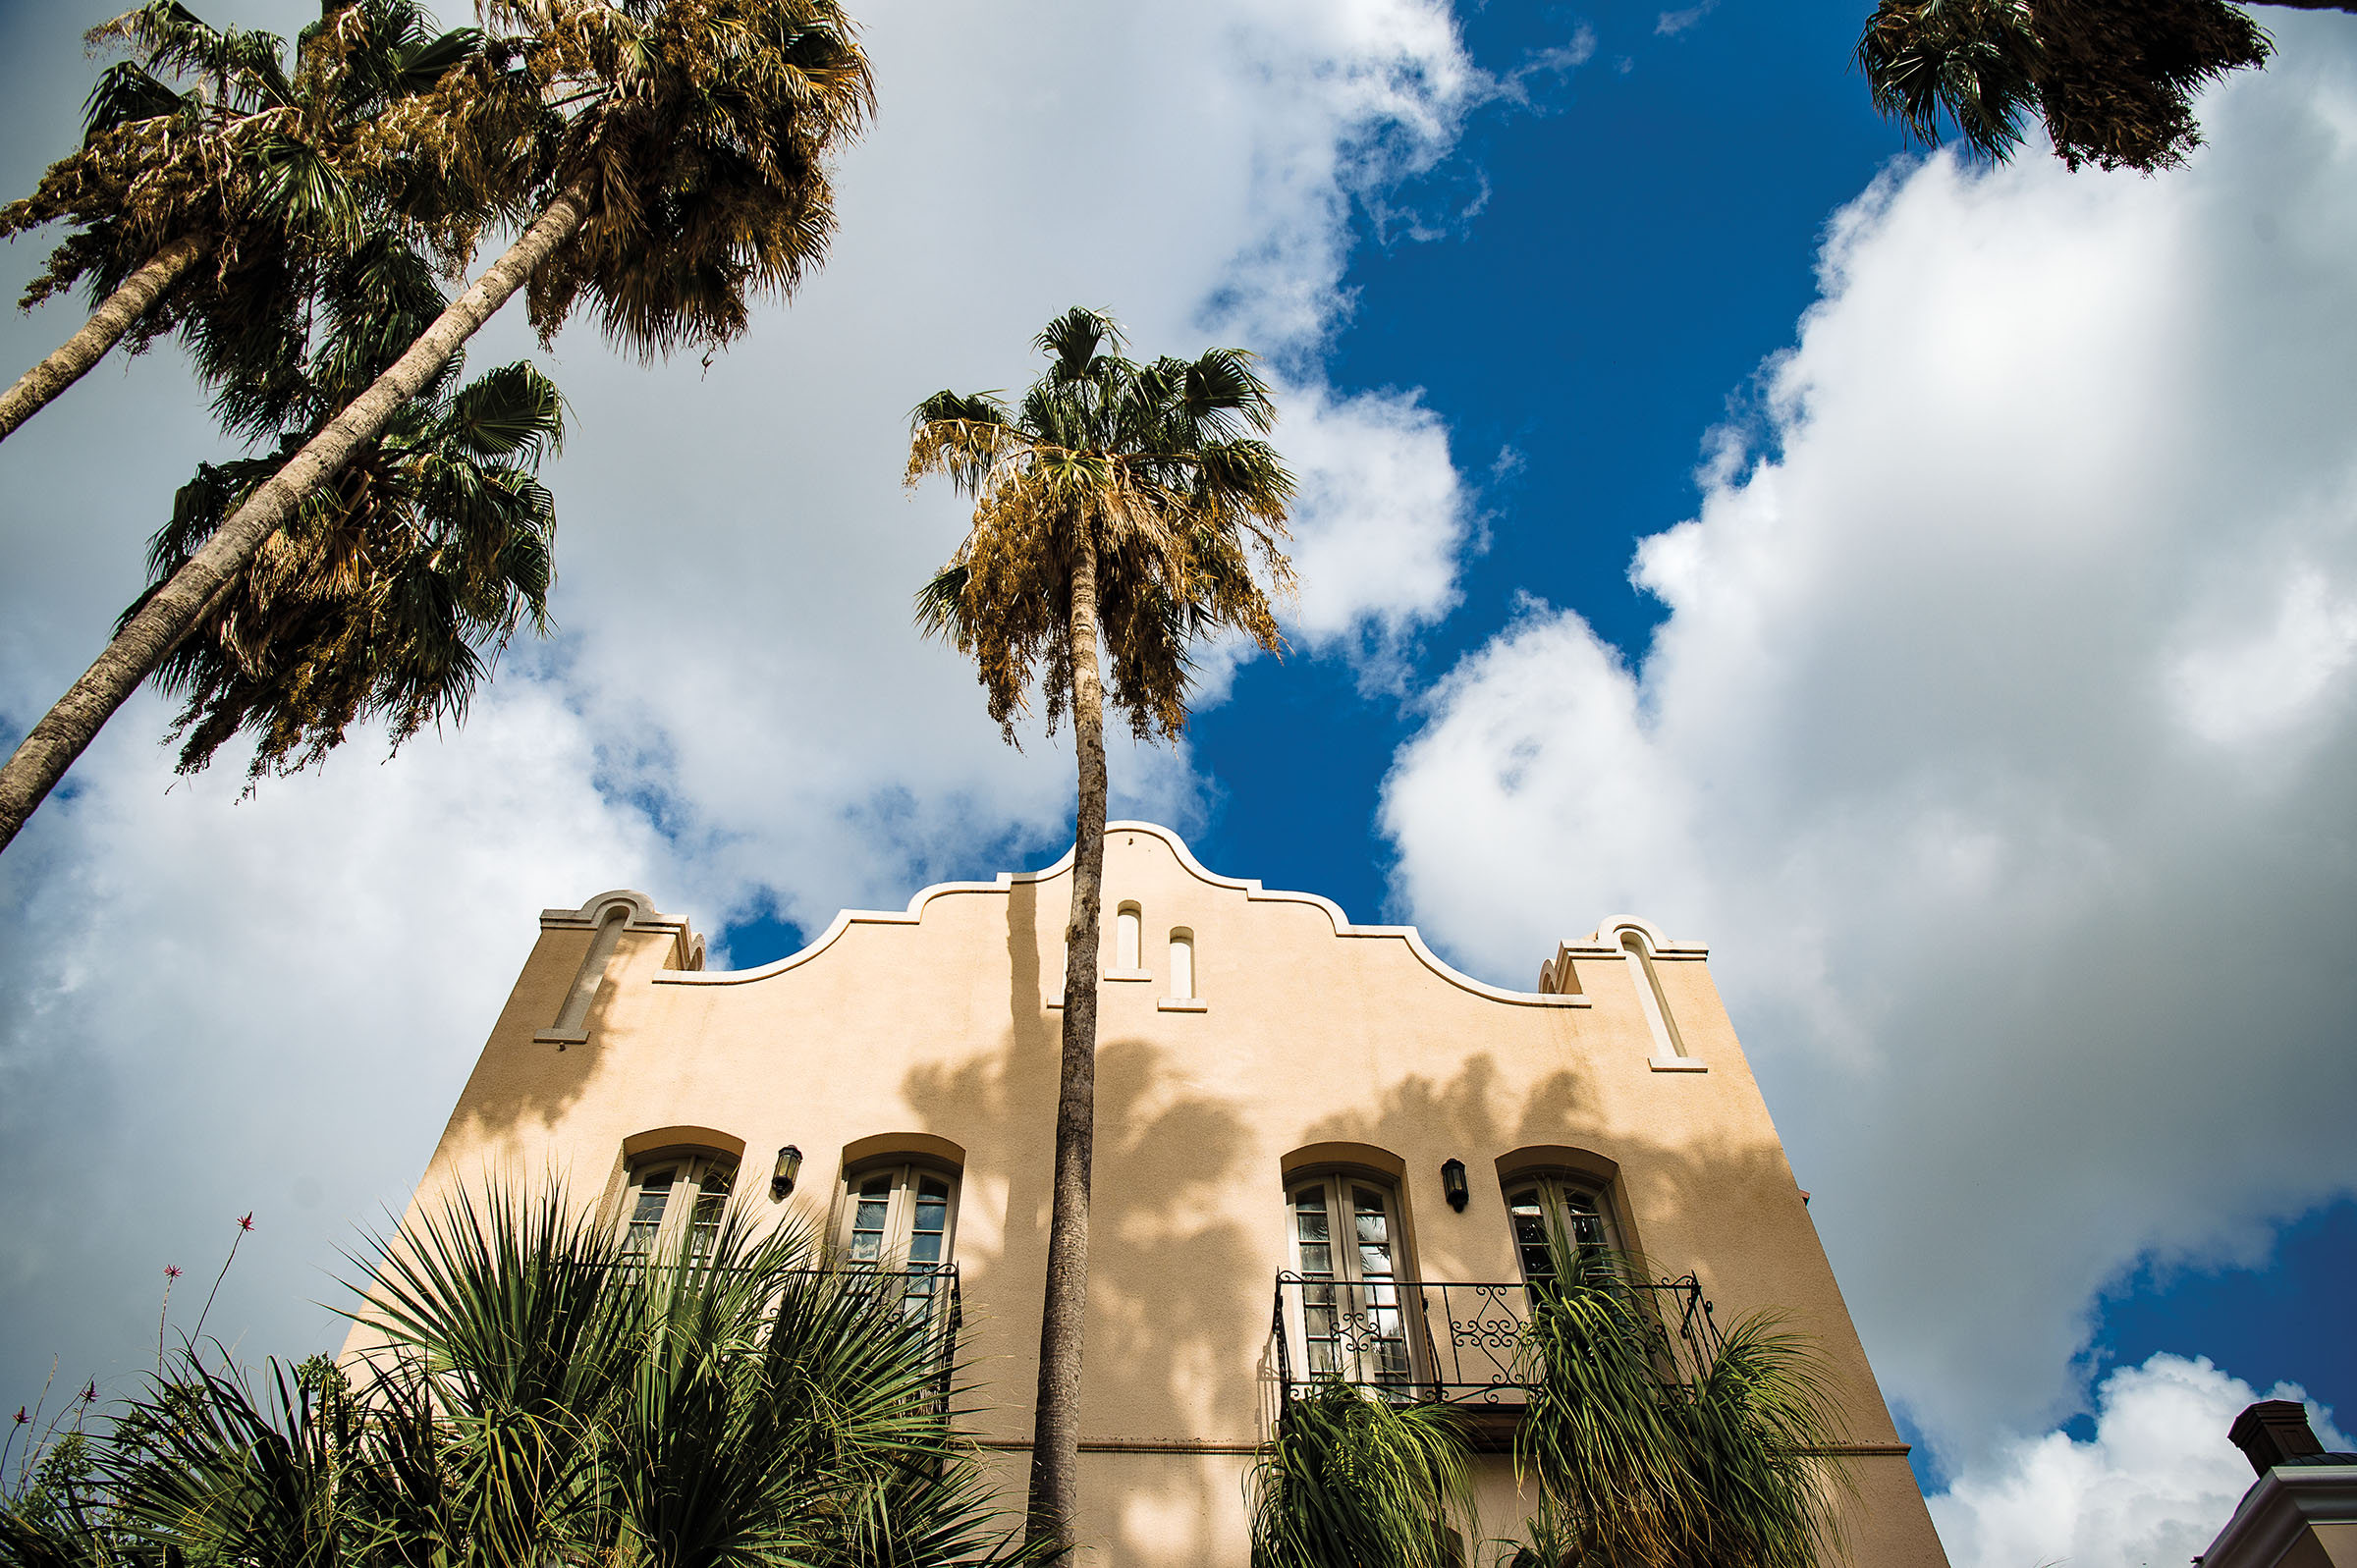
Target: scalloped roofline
x: 1005, y: 882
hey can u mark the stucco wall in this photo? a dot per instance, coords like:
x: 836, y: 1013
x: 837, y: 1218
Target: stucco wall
x: 940, y: 1023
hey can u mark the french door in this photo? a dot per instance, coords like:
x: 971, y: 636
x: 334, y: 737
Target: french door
x: 1346, y: 1250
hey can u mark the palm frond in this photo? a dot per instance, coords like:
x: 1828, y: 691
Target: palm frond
x: 1348, y: 1480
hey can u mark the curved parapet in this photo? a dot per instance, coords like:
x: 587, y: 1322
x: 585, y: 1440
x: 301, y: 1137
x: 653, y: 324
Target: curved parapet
x: 1250, y: 888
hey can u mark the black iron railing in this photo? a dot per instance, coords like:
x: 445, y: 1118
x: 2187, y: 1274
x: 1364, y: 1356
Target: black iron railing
x: 1454, y: 1341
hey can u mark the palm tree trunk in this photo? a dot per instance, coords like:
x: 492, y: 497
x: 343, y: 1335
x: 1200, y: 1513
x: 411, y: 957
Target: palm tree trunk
x: 73, y: 358
x: 1056, y: 1420
x: 45, y: 753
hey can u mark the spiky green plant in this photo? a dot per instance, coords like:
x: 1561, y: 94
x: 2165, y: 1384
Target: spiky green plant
x: 1646, y: 1459
x: 1351, y: 1481
x: 538, y: 1401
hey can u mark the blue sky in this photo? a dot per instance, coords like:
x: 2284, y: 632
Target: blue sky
x: 1935, y: 587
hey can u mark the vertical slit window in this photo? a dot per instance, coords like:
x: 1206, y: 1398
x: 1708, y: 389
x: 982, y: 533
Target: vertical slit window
x: 1650, y: 1000
x: 574, y: 1015
x: 1126, y: 953
x: 1183, y: 965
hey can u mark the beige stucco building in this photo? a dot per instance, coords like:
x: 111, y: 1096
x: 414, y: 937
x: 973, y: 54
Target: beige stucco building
x: 1272, y: 1078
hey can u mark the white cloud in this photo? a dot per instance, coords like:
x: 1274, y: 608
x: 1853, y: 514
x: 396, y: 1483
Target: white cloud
x: 2154, y: 1485
x: 1673, y: 23
x: 194, y: 996
x: 1998, y: 736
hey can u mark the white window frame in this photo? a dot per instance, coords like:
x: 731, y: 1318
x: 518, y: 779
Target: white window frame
x: 704, y: 1178
x: 905, y: 1182
x: 1564, y: 1198
x: 1349, y: 1321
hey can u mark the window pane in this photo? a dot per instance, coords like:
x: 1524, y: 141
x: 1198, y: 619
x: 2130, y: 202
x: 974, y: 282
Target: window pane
x: 705, y: 1223
x: 868, y: 1214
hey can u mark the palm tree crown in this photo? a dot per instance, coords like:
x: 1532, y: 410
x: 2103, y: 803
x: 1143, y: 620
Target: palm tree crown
x: 220, y: 176
x: 383, y: 595
x: 1160, y: 467
x: 2112, y: 80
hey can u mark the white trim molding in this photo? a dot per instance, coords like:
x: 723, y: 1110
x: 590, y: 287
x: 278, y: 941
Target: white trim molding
x: 2279, y: 1510
x: 1250, y: 888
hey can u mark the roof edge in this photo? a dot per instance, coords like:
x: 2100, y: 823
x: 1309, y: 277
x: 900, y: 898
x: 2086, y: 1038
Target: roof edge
x: 1249, y: 886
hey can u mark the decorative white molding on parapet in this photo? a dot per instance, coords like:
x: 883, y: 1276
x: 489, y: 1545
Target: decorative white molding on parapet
x: 2279, y: 1511
x: 1610, y: 941
x: 687, y: 947
x: 1250, y: 888
x: 608, y: 916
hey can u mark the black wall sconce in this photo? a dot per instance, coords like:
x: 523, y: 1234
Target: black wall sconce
x: 1453, y: 1184
x: 788, y: 1167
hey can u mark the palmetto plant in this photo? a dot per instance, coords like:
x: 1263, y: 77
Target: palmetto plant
x: 538, y: 1400
x: 667, y: 160
x: 2112, y: 80
x: 1638, y: 1467
x: 390, y: 591
x: 1349, y: 1481
x: 1135, y: 505
x: 211, y: 176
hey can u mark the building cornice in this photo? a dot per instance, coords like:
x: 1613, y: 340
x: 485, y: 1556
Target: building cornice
x: 2279, y: 1509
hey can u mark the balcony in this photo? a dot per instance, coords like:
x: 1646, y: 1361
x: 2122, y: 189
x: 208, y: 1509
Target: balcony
x: 1452, y: 1342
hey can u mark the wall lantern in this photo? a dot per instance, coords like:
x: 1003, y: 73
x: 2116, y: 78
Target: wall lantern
x: 789, y: 1165
x: 1452, y: 1183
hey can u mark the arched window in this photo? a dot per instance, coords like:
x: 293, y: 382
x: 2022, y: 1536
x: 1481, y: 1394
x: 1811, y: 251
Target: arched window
x: 676, y: 1196
x: 903, y: 1219
x: 1183, y: 965
x: 1543, y: 1207
x: 1126, y: 921
x: 1347, y: 1251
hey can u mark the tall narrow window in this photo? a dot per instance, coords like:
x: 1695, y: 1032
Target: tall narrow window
x: 1126, y: 923
x: 573, y: 1020
x: 1183, y: 965
x: 676, y: 1194
x: 903, y: 1219
x: 1543, y: 1207
x: 1656, y: 1007
x: 1346, y: 1245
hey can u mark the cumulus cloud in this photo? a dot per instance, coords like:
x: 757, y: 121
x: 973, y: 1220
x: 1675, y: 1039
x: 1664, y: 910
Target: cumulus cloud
x: 207, y: 1006
x: 1998, y: 736
x: 2154, y: 1483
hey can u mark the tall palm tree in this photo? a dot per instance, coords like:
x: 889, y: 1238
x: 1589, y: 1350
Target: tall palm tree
x: 383, y: 596
x: 2112, y: 80
x: 671, y: 157
x: 1125, y: 503
x: 538, y: 1399
x: 205, y: 148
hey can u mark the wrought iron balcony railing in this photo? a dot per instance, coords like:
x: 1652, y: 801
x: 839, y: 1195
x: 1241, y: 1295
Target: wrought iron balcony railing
x: 1454, y: 1341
